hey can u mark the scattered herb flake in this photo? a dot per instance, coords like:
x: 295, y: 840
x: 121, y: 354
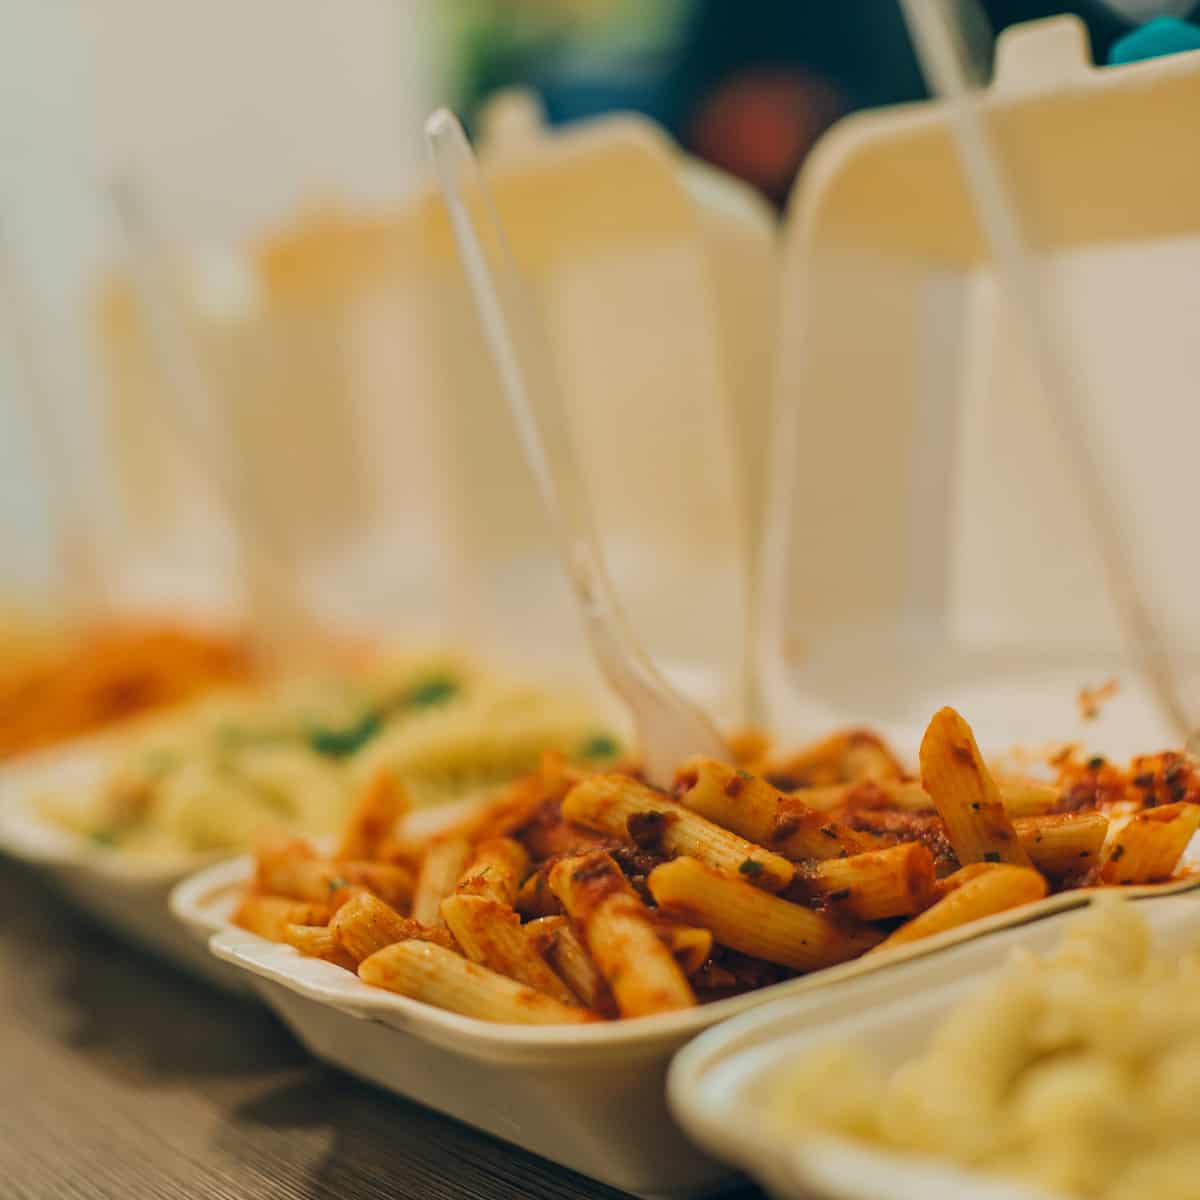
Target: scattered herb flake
x: 751, y: 867
x: 1118, y: 852
x: 992, y: 856
x: 103, y: 837
x: 336, y: 883
x: 341, y: 743
x: 437, y: 689
x: 600, y: 745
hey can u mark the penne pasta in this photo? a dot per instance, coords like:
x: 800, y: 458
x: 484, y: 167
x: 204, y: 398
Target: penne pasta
x: 496, y: 870
x: 624, y: 808
x: 1026, y: 798
x: 848, y: 756
x: 988, y: 889
x: 536, y: 897
x: 878, y: 885
x: 318, y: 941
x: 1063, y: 844
x: 365, y: 924
x: 440, y: 869
x: 269, y: 916
x: 490, y: 933
x: 689, y: 945
x: 748, y: 920
x: 620, y: 938
x: 965, y: 795
x: 373, y: 817
x: 437, y: 976
x: 1148, y: 848
x: 754, y: 809
x: 562, y: 948
x: 304, y: 878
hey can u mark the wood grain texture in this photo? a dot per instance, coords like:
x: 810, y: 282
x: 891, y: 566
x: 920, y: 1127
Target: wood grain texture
x: 120, y: 1077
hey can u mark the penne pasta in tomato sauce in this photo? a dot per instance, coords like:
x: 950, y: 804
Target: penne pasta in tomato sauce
x: 576, y: 897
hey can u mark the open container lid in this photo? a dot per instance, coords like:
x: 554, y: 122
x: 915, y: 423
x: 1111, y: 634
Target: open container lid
x: 355, y: 334
x: 926, y: 544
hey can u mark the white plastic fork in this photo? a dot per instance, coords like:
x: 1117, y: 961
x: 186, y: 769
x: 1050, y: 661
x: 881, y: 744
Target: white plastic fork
x: 669, y: 728
x: 951, y: 39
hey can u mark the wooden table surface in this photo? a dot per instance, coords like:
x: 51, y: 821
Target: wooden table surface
x: 122, y: 1078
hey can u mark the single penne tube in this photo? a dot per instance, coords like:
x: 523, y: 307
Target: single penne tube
x: 895, y: 882
x: 318, y: 881
x: 519, y: 803
x: 848, y: 756
x: 986, y: 892
x: 496, y: 869
x: 490, y: 933
x: 748, y: 920
x: 542, y: 932
x: 440, y: 869
x: 1148, y: 847
x: 754, y: 809
x: 963, y: 875
x: 1063, y: 844
x: 965, y: 794
x: 556, y: 940
x: 1026, y: 797
x: 373, y: 817
x: 616, y: 929
x: 269, y: 916
x: 318, y: 941
x: 1020, y: 798
x: 690, y: 945
x: 437, y: 976
x: 536, y: 897
x: 904, y: 794
x: 365, y: 924
x: 623, y: 808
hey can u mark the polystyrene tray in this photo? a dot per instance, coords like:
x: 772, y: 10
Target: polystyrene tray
x: 593, y: 1098
x: 716, y: 1086
x: 123, y: 892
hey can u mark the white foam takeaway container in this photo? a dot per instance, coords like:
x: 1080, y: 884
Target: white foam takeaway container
x: 927, y: 542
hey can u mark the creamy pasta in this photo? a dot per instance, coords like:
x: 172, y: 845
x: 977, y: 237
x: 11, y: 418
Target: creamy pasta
x: 209, y: 777
x: 1079, y: 1072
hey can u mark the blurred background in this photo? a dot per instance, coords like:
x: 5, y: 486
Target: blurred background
x: 245, y: 119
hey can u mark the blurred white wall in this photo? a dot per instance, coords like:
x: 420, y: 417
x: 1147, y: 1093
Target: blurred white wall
x: 235, y: 110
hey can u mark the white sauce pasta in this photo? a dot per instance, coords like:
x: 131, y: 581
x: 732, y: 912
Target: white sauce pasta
x: 1079, y: 1073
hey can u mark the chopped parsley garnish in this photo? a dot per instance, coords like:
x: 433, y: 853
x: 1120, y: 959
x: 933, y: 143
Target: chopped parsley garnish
x: 103, y: 837
x: 336, y: 882
x: 350, y: 739
x: 341, y: 743
x: 992, y: 856
x: 437, y: 689
x: 600, y: 745
x: 750, y: 867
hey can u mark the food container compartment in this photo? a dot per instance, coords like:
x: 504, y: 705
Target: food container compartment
x: 716, y: 1085
x: 122, y: 892
x: 591, y: 1099
x: 927, y: 543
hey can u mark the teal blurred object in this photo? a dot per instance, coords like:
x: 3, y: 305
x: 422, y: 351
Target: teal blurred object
x: 1155, y: 39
